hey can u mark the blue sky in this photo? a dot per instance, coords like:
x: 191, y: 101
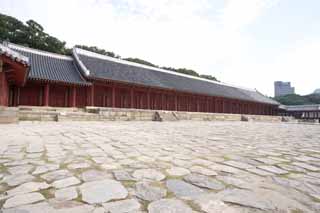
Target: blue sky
x: 249, y: 43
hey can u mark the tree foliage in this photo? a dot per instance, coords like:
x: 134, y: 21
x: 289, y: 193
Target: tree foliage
x: 294, y: 99
x: 140, y: 61
x: 98, y: 50
x: 32, y: 34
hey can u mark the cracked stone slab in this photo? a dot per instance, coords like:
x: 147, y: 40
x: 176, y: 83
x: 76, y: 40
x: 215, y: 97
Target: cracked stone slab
x: 45, y: 168
x: 148, y: 174
x: 123, y: 175
x: 204, y: 181
x: 102, y: 191
x: 56, y: 175
x: 307, y: 166
x: 170, y: 206
x: 23, y: 199
x: 24, y: 169
x: 146, y: 191
x: 93, y: 175
x: 183, y: 189
x: 238, y: 165
x: 14, y: 180
x: 274, y: 170
x: 177, y: 171
x: 203, y: 171
x: 66, y: 193
x: 123, y: 206
x: 27, y: 188
x: 70, y: 181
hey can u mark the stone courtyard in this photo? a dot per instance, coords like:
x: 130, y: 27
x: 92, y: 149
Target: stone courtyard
x: 182, y: 167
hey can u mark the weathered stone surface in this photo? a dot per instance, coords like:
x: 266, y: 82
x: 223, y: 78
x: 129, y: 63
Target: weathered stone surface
x: 203, y: 171
x: 66, y: 193
x: 122, y: 206
x: 93, y: 175
x: 183, y: 189
x: 274, y: 170
x: 78, y: 165
x: 148, y: 174
x: 214, y: 205
x: 122, y: 175
x: 164, y: 147
x: 35, y: 147
x: 169, y: 206
x: 70, y: 181
x: 102, y: 191
x: 146, y: 191
x: 14, y: 180
x: 204, y: 181
x: 177, y: 171
x: 23, y: 199
x: 24, y: 169
x: 307, y: 166
x: 238, y: 165
x: 27, y: 187
x: 45, y: 168
x: 56, y: 175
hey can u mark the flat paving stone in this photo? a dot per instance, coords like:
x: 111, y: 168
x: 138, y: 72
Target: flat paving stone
x: 122, y: 206
x: 148, y: 174
x: 274, y: 170
x: 102, y: 191
x: 23, y: 199
x: 17, y: 179
x: 66, y: 193
x: 56, y: 175
x: 169, y: 206
x: 148, y: 192
x: 177, y: 171
x: 204, y: 181
x: 70, y: 181
x: 93, y: 175
x: 262, y: 167
x: 183, y: 189
x: 27, y: 187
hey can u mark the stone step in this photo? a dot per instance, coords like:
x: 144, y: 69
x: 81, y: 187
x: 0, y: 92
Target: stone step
x: 8, y: 115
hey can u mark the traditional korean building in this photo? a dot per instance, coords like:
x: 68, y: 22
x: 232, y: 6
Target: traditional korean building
x: 37, y: 78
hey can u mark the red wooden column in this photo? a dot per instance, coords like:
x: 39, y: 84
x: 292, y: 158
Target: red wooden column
x: 113, y: 95
x: 46, y: 95
x: 4, y: 89
x: 175, y: 102
x: 131, y: 98
x: 148, y: 99
x: 198, y: 105
x: 91, y: 101
x: 73, y: 96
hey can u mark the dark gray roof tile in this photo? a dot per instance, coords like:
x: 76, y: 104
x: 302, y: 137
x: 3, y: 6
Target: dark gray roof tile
x: 104, y: 67
x: 50, y: 67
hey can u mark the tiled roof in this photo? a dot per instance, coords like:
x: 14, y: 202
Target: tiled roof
x: 103, y: 67
x: 49, y: 66
x: 15, y: 56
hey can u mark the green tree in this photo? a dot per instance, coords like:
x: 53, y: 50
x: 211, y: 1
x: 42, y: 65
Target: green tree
x: 140, y: 61
x: 98, y: 50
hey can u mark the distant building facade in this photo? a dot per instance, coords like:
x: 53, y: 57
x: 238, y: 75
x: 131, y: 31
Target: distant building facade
x: 317, y: 91
x: 282, y: 88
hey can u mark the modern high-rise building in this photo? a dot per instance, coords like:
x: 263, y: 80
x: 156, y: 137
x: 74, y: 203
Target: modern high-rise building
x: 282, y: 88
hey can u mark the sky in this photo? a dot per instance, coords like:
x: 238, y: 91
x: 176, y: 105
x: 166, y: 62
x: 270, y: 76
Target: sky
x: 249, y: 43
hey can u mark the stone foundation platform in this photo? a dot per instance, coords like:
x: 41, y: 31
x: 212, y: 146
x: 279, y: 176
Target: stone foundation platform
x: 26, y: 113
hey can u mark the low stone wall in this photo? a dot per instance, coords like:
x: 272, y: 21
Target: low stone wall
x: 8, y: 115
x: 115, y: 114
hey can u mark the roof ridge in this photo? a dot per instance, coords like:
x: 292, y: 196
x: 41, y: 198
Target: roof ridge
x: 39, y: 52
x: 97, y: 55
